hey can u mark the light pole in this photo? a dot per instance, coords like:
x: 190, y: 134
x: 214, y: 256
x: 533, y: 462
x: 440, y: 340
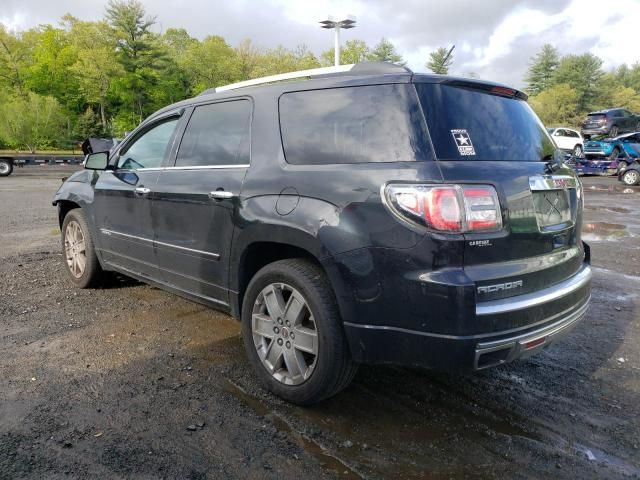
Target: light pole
x: 329, y: 23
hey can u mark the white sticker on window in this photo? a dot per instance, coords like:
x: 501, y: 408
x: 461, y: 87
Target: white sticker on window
x: 463, y: 141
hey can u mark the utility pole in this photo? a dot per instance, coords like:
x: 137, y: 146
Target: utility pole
x: 330, y: 23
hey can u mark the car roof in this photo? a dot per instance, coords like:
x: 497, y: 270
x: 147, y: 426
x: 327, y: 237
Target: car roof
x: 364, y: 73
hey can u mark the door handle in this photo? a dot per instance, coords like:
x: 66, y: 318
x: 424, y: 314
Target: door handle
x: 221, y: 195
x: 142, y: 190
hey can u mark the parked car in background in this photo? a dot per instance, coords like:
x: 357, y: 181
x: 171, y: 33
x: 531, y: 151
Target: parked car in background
x: 610, y: 122
x: 584, y: 166
x: 623, y: 148
x: 630, y: 175
x: 567, y: 139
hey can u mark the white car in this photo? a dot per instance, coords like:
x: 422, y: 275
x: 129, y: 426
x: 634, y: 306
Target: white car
x: 568, y: 139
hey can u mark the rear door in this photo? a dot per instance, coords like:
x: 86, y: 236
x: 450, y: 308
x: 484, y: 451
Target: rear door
x: 486, y: 136
x: 196, y: 198
x: 122, y: 198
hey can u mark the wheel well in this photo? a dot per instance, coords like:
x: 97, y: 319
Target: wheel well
x: 260, y: 254
x: 64, y: 207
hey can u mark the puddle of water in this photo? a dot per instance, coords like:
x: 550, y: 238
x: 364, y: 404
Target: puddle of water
x: 598, y: 456
x: 600, y: 208
x: 603, y: 231
x: 316, y: 450
x: 613, y: 189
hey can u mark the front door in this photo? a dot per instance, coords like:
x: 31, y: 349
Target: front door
x: 196, y: 199
x: 122, y: 199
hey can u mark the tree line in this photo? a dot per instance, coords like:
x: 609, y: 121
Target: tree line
x: 563, y: 89
x: 59, y: 85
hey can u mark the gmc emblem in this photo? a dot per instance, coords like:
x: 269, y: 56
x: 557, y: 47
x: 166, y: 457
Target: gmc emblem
x: 499, y: 287
x: 560, y: 182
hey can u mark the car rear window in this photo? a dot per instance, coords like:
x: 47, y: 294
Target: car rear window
x: 376, y: 123
x: 592, y: 116
x: 471, y: 124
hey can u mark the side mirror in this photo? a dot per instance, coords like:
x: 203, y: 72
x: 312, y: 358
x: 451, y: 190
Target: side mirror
x: 97, y: 161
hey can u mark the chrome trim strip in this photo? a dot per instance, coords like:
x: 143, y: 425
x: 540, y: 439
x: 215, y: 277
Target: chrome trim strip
x: 192, y: 167
x: 547, y: 331
x: 168, y: 285
x: 478, y: 336
x: 551, y: 182
x: 282, y: 76
x: 528, y: 300
x: 215, y: 256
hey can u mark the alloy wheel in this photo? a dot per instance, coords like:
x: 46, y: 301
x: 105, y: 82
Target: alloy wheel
x: 4, y: 168
x: 631, y: 177
x: 75, y: 249
x: 285, y: 333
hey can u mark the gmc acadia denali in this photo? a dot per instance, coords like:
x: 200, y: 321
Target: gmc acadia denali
x: 361, y: 214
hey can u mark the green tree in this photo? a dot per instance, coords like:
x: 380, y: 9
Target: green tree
x: 557, y: 105
x: 247, y: 56
x: 583, y: 74
x: 210, y: 63
x: 52, y: 55
x: 96, y: 64
x: 385, y: 51
x: 283, y: 60
x: 32, y: 121
x: 88, y: 125
x: 14, y: 59
x: 138, y: 53
x: 541, y: 69
x: 353, y: 51
x: 440, y: 61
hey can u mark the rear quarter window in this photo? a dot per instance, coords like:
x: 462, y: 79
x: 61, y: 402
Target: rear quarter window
x: 376, y: 123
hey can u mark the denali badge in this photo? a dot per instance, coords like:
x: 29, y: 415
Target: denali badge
x: 498, y: 287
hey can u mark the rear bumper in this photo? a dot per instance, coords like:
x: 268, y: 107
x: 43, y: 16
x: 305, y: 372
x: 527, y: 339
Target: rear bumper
x: 557, y: 310
x: 595, y: 131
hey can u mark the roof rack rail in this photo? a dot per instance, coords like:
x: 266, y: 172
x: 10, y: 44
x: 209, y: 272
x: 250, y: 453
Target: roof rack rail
x: 364, y: 68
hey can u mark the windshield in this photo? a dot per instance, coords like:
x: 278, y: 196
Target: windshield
x: 470, y: 124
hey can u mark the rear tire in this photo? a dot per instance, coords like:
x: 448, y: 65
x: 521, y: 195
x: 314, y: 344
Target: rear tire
x: 6, y: 167
x: 293, y: 333
x: 631, y: 178
x: 78, y: 251
x: 577, y: 151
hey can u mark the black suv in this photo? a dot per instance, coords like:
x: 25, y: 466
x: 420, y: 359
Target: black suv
x: 367, y: 216
x: 610, y: 122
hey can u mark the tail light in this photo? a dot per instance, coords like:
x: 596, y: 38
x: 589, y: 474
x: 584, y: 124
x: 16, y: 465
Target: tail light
x: 447, y: 208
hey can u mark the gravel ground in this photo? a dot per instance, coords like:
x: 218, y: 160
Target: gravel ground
x: 129, y: 381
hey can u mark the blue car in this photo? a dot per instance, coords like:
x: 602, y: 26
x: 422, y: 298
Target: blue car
x: 626, y: 146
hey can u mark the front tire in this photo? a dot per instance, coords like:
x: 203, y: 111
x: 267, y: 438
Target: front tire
x: 631, y: 178
x: 293, y: 335
x: 78, y: 251
x: 6, y: 167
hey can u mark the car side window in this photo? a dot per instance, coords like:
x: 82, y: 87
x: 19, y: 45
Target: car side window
x: 149, y: 149
x: 572, y: 134
x: 217, y: 134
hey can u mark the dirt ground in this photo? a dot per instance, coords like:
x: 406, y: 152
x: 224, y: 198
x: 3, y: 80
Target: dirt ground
x: 132, y: 382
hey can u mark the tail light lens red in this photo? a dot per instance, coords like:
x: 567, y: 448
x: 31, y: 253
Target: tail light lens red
x: 447, y: 208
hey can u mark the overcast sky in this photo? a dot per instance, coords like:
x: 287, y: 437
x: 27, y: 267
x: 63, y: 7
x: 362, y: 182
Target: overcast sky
x: 494, y: 38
